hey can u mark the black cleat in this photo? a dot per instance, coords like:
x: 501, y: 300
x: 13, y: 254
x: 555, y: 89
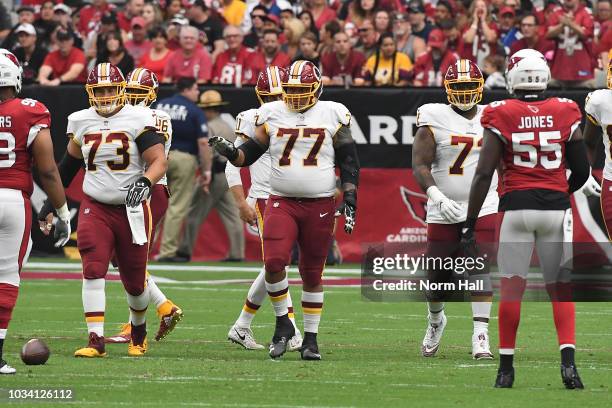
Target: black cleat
x: 310, y: 348
x: 570, y: 377
x: 282, y: 333
x: 504, y: 379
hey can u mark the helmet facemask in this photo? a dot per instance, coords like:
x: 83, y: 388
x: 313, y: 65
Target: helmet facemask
x: 609, y: 76
x: 140, y: 95
x: 299, y: 97
x: 464, y: 93
x: 265, y: 97
x: 106, y: 104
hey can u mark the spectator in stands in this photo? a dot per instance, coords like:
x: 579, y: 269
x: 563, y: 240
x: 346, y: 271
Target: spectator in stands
x: 152, y: 15
x: 115, y: 53
x: 29, y: 53
x: 493, y: 68
x: 62, y: 14
x: 531, y: 37
x: 360, y: 10
x: 294, y: 29
x: 508, y: 30
x: 444, y: 11
x: 603, y: 18
x: 5, y: 22
x: 387, y: 67
x: 45, y: 24
x: 190, y: 61
x: 201, y: 18
x: 268, y: 6
x: 25, y: 15
x: 270, y: 53
x: 306, y: 17
x: 172, y: 9
x: 416, y: 14
x: 308, y: 49
x: 407, y: 43
x: 453, y: 37
x: 320, y: 12
x: 132, y: 9
x: 342, y: 66
x: 96, y: 41
x: 66, y: 64
x: 326, y: 36
x: 139, y: 45
x: 90, y: 16
x: 430, y: 68
x: 271, y: 22
x: 189, y: 143
x: 234, y: 11
x: 285, y: 15
x: 368, y: 38
x: 252, y: 39
x: 235, y: 65
x: 173, y: 30
x: 571, y: 27
x: 480, y: 38
x: 382, y: 22
x: 159, y: 54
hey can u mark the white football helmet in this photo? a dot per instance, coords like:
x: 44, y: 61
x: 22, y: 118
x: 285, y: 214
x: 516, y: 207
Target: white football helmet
x: 527, y: 70
x: 10, y: 74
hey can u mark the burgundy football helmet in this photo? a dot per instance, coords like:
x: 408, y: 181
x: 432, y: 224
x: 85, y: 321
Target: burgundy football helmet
x: 464, y: 84
x: 141, y: 87
x: 302, y: 86
x: 104, y: 76
x: 269, y: 82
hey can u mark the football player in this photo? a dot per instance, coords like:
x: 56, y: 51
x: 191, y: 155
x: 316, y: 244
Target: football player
x: 26, y: 138
x: 141, y: 90
x: 306, y: 137
x: 444, y: 157
x: 535, y: 139
x: 124, y: 158
x: 268, y: 89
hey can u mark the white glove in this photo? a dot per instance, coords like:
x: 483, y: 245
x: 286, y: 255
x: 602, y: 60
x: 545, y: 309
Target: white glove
x: 591, y: 187
x: 62, y: 226
x: 449, y: 209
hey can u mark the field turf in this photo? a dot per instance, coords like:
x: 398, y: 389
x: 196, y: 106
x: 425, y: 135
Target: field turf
x: 371, y: 352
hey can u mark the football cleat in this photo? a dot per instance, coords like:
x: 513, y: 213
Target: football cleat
x: 504, y: 379
x: 168, y: 321
x: 480, y: 346
x: 138, y: 350
x: 433, y: 335
x: 295, y: 343
x: 283, y: 332
x: 5, y: 368
x: 124, y: 336
x: 310, y: 349
x: 570, y: 377
x: 244, y: 337
x: 95, y: 347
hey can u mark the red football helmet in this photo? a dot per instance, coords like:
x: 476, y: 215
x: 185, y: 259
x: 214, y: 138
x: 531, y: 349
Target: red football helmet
x: 302, y: 86
x: 464, y: 84
x: 269, y: 82
x: 141, y: 87
x: 105, y: 88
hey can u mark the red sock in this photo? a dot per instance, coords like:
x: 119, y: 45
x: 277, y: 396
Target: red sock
x: 509, y: 314
x: 565, y: 322
x: 8, y: 298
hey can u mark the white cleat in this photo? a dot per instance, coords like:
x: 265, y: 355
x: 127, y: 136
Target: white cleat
x: 433, y: 335
x: 480, y: 346
x: 244, y: 337
x: 5, y: 368
x: 295, y: 343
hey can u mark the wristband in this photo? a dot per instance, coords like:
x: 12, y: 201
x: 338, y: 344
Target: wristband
x: 63, y: 213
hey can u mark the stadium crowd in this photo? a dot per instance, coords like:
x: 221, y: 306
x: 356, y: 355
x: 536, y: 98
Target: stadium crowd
x: 354, y: 42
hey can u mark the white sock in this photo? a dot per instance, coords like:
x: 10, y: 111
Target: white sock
x: 257, y: 293
x: 3, y: 334
x: 138, y: 307
x: 312, y: 306
x: 436, y: 311
x: 157, y: 296
x: 481, y: 310
x: 94, y: 304
x: 278, y: 295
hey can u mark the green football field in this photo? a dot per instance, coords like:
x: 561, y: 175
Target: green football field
x: 371, y: 351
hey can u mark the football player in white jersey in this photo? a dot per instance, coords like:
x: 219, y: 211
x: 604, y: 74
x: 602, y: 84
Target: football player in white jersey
x: 124, y: 157
x: 267, y: 89
x: 141, y: 90
x: 444, y: 157
x: 306, y: 137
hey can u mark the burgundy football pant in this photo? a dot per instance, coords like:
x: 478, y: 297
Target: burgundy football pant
x: 606, y: 205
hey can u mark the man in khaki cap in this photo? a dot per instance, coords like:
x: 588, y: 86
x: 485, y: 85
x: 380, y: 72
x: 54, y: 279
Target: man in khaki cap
x: 218, y: 196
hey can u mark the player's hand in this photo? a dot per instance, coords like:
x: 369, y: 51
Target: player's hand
x: 468, y: 243
x: 247, y: 214
x: 449, y: 209
x: 224, y: 147
x: 348, y: 208
x: 591, y: 188
x: 62, y: 232
x: 137, y: 192
x: 45, y: 217
x: 205, y: 179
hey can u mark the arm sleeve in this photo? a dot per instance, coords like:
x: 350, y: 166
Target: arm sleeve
x: 577, y: 162
x: 147, y: 139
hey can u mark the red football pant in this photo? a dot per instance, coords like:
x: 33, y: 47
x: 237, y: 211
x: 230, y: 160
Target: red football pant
x: 310, y: 222
x: 159, y: 203
x: 606, y: 205
x: 8, y: 298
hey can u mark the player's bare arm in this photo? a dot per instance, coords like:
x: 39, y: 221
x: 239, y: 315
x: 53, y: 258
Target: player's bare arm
x: 248, y: 152
x: 157, y: 165
x: 577, y: 161
x: 423, y: 154
x: 247, y: 213
x: 205, y: 153
x: 591, y: 134
x: 345, y: 151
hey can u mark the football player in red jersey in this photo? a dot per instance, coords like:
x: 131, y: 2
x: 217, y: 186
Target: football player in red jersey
x: 25, y: 138
x: 535, y: 139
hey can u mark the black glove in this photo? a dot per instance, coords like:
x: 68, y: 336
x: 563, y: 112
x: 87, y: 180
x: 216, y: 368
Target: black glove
x: 224, y: 147
x: 348, y: 208
x: 468, y: 242
x: 46, y: 209
x: 138, y: 191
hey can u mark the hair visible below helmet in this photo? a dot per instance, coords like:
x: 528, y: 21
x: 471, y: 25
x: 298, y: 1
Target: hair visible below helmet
x: 527, y: 70
x: 269, y: 82
x: 105, y: 75
x: 141, y: 87
x: 302, y: 86
x: 10, y: 74
x: 464, y: 84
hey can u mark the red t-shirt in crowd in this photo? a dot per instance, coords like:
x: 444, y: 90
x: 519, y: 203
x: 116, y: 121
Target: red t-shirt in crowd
x: 124, y: 22
x: 260, y: 63
x: 235, y: 69
x: 572, y: 60
x: 328, y: 14
x: 198, y: 65
x: 89, y: 16
x: 424, y: 70
x: 137, y: 51
x: 60, y: 64
x: 479, y: 49
x: 156, y: 66
x: 543, y: 45
x: 331, y: 67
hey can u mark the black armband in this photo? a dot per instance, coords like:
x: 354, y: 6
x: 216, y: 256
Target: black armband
x: 147, y: 139
x: 252, y: 151
x: 347, y: 160
x: 68, y: 168
x: 577, y: 162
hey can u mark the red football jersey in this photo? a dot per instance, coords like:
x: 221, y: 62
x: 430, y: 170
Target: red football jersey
x: 234, y: 69
x: 20, y: 122
x: 534, y: 135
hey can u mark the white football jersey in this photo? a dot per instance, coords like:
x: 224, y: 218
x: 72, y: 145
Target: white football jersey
x: 598, y: 106
x: 163, y: 123
x: 458, y: 142
x: 301, y: 147
x: 260, y: 170
x: 109, y: 149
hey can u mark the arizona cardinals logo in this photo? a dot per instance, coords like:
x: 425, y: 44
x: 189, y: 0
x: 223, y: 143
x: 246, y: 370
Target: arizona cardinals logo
x: 532, y: 108
x: 513, y: 61
x: 416, y: 204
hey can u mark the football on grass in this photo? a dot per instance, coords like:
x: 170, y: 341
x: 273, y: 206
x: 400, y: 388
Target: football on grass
x: 35, y: 352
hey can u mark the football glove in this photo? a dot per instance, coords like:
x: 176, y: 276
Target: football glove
x: 224, y: 147
x: 449, y: 209
x: 137, y: 192
x: 592, y: 187
x: 62, y: 223
x: 468, y: 243
x: 348, y: 208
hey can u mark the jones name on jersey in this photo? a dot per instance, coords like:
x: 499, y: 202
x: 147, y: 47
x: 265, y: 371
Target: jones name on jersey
x: 598, y: 107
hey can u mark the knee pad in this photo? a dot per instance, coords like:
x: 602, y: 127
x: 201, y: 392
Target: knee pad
x: 311, y: 276
x: 94, y: 270
x: 275, y: 264
x: 134, y: 288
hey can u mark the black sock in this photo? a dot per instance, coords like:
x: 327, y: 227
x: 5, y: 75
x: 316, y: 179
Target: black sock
x: 310, y: 337
x: 1, y: 346
x: 505, y: 362
x: 567, y: 356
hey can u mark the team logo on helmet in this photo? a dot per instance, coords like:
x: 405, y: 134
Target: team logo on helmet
x: 141, y: 87
x: 105, y: 88
x: 464, y: 84
x: 302, y: 87
x: 10, y: 70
